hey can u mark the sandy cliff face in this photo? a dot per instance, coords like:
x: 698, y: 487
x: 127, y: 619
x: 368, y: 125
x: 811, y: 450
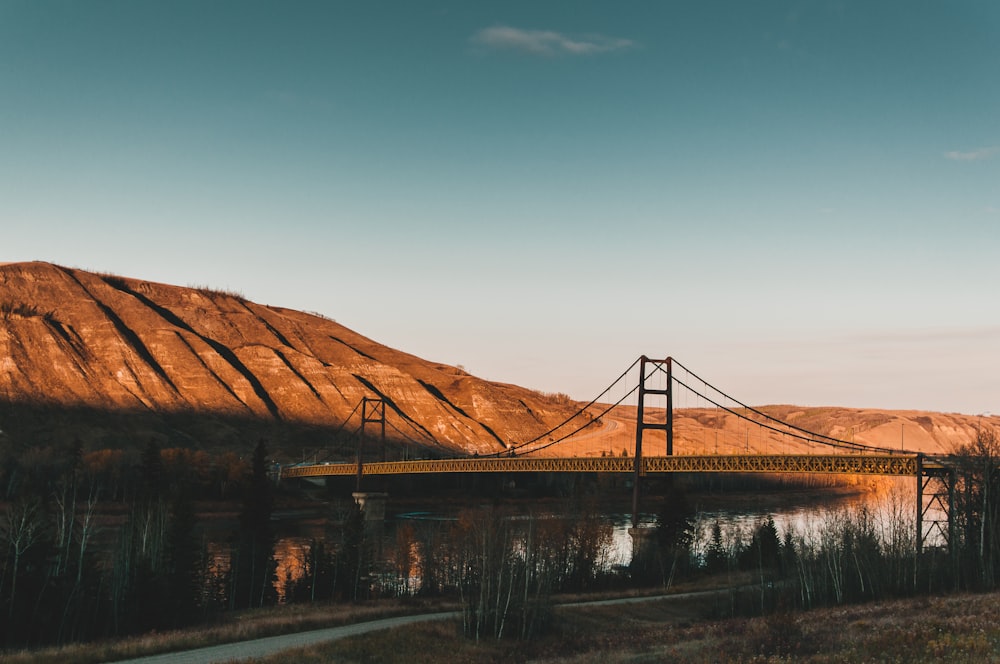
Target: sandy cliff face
x: 72, y: 338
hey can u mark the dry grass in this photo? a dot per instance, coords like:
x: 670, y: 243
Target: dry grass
x: 963, y: 628
x: 960, y: 628
x: 237, y: 626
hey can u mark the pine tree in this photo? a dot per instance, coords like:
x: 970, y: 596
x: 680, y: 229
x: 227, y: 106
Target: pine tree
x: 253, y: 563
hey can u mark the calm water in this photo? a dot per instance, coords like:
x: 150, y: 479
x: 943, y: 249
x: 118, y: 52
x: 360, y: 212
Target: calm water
x: 807, y: 521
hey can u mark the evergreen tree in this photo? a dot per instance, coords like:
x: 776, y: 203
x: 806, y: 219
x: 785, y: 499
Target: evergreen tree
x: 674, y: 533
x: 715, y: 556
x: 183, y: 568
x: 253, y: 563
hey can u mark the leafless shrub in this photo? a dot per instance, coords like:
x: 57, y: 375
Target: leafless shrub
x: 21, y: 310
x: 213, y: 293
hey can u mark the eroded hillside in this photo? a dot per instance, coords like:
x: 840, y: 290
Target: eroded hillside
x: 72, y: 339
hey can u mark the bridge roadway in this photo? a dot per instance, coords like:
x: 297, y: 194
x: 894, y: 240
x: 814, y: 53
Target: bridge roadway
x: 854, y: 464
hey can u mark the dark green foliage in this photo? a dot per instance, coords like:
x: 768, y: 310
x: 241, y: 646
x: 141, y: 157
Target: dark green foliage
x: 151, y: 479
x: 669, y: 556
x: 352, y: 559
x: 716, y: 559
x: 184, y: 564
x: 253, y: 559
x: 764, y: 551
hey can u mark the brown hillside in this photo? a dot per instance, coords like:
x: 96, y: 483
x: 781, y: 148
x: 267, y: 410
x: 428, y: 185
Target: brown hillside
x: 710, y: 430
x: 115, y: 362
x: 76, y: 341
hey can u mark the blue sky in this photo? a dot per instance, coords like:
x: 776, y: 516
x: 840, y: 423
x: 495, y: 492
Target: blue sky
x: 798, y: 200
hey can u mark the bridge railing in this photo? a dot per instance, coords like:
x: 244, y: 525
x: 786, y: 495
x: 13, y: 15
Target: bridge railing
x: 855, y: 464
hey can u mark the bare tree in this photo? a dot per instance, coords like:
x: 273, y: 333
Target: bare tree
x: 22, y: 528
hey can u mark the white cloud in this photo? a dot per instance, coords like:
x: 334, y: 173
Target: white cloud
x: 547, y: 42
x: 974, y: 155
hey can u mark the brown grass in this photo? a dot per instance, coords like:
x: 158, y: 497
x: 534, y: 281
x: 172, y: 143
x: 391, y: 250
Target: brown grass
x: 237, y: 626
x: 962, y: 628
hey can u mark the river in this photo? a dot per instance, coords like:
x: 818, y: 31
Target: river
x: 807, y: 515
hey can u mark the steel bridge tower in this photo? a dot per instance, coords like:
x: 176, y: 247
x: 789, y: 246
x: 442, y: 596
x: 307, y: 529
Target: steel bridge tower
x: 642, y: 424
x: 936, y: 504
x: 372, y: 412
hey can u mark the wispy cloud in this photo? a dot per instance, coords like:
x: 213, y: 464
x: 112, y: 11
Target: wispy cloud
x: 547, y: 42
x: 973, y: 155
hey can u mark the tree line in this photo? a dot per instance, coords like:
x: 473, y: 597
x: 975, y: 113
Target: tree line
x: 504, y: 568
x: 57, y: 586
x: 855, y: 555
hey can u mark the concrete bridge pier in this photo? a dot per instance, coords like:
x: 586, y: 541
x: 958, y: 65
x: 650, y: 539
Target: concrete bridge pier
x: 372, y: 504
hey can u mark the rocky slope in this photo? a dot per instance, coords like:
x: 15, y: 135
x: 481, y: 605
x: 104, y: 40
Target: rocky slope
x: 73, y: 341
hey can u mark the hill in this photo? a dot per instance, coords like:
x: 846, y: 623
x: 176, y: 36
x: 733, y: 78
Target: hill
x: 114, y: 362
x: 107, y: 359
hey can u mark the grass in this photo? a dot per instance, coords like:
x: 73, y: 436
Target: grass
x: 236, y: 626
x: 213, y: 293
x: 959, y: 629
x: 113, y: 280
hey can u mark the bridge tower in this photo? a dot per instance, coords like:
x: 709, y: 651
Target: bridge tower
x: 935, y: 504
x: 642, y: 424
x: 372, y: 412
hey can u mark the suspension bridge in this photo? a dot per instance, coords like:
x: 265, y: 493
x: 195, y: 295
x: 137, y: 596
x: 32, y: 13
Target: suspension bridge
x: 769, y: 444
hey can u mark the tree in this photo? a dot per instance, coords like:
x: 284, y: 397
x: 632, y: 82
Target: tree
x: 21, y: 530
x: 978, y: 509
x: 183, y: 561
x: 674, y: 533
x: 253, y: 563
x: 716, y: 559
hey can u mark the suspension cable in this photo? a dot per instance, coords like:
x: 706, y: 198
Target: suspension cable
x: 579, y: 412
x: 599, y: 416
x: 774, y: 419
x: 810, y: 436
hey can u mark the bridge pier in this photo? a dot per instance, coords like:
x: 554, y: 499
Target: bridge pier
x: 643, y: 548
x: 372, y: 504
x: 935, y: 505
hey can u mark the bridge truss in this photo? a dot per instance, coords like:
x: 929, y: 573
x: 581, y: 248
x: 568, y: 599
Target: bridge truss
x: 850, y: 464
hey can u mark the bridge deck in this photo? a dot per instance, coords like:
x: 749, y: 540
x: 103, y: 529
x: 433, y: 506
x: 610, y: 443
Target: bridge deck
x: 856, y: 464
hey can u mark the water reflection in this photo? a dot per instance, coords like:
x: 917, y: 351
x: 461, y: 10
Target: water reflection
x: 890, y: 512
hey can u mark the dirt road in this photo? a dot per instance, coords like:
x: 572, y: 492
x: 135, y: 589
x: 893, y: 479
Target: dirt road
x: 273, y: 644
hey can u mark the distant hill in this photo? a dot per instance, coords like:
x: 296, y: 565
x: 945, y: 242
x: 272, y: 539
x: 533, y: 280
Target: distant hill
x: 712, y: 430
x: 112, y: 361
x: 917, y: 431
